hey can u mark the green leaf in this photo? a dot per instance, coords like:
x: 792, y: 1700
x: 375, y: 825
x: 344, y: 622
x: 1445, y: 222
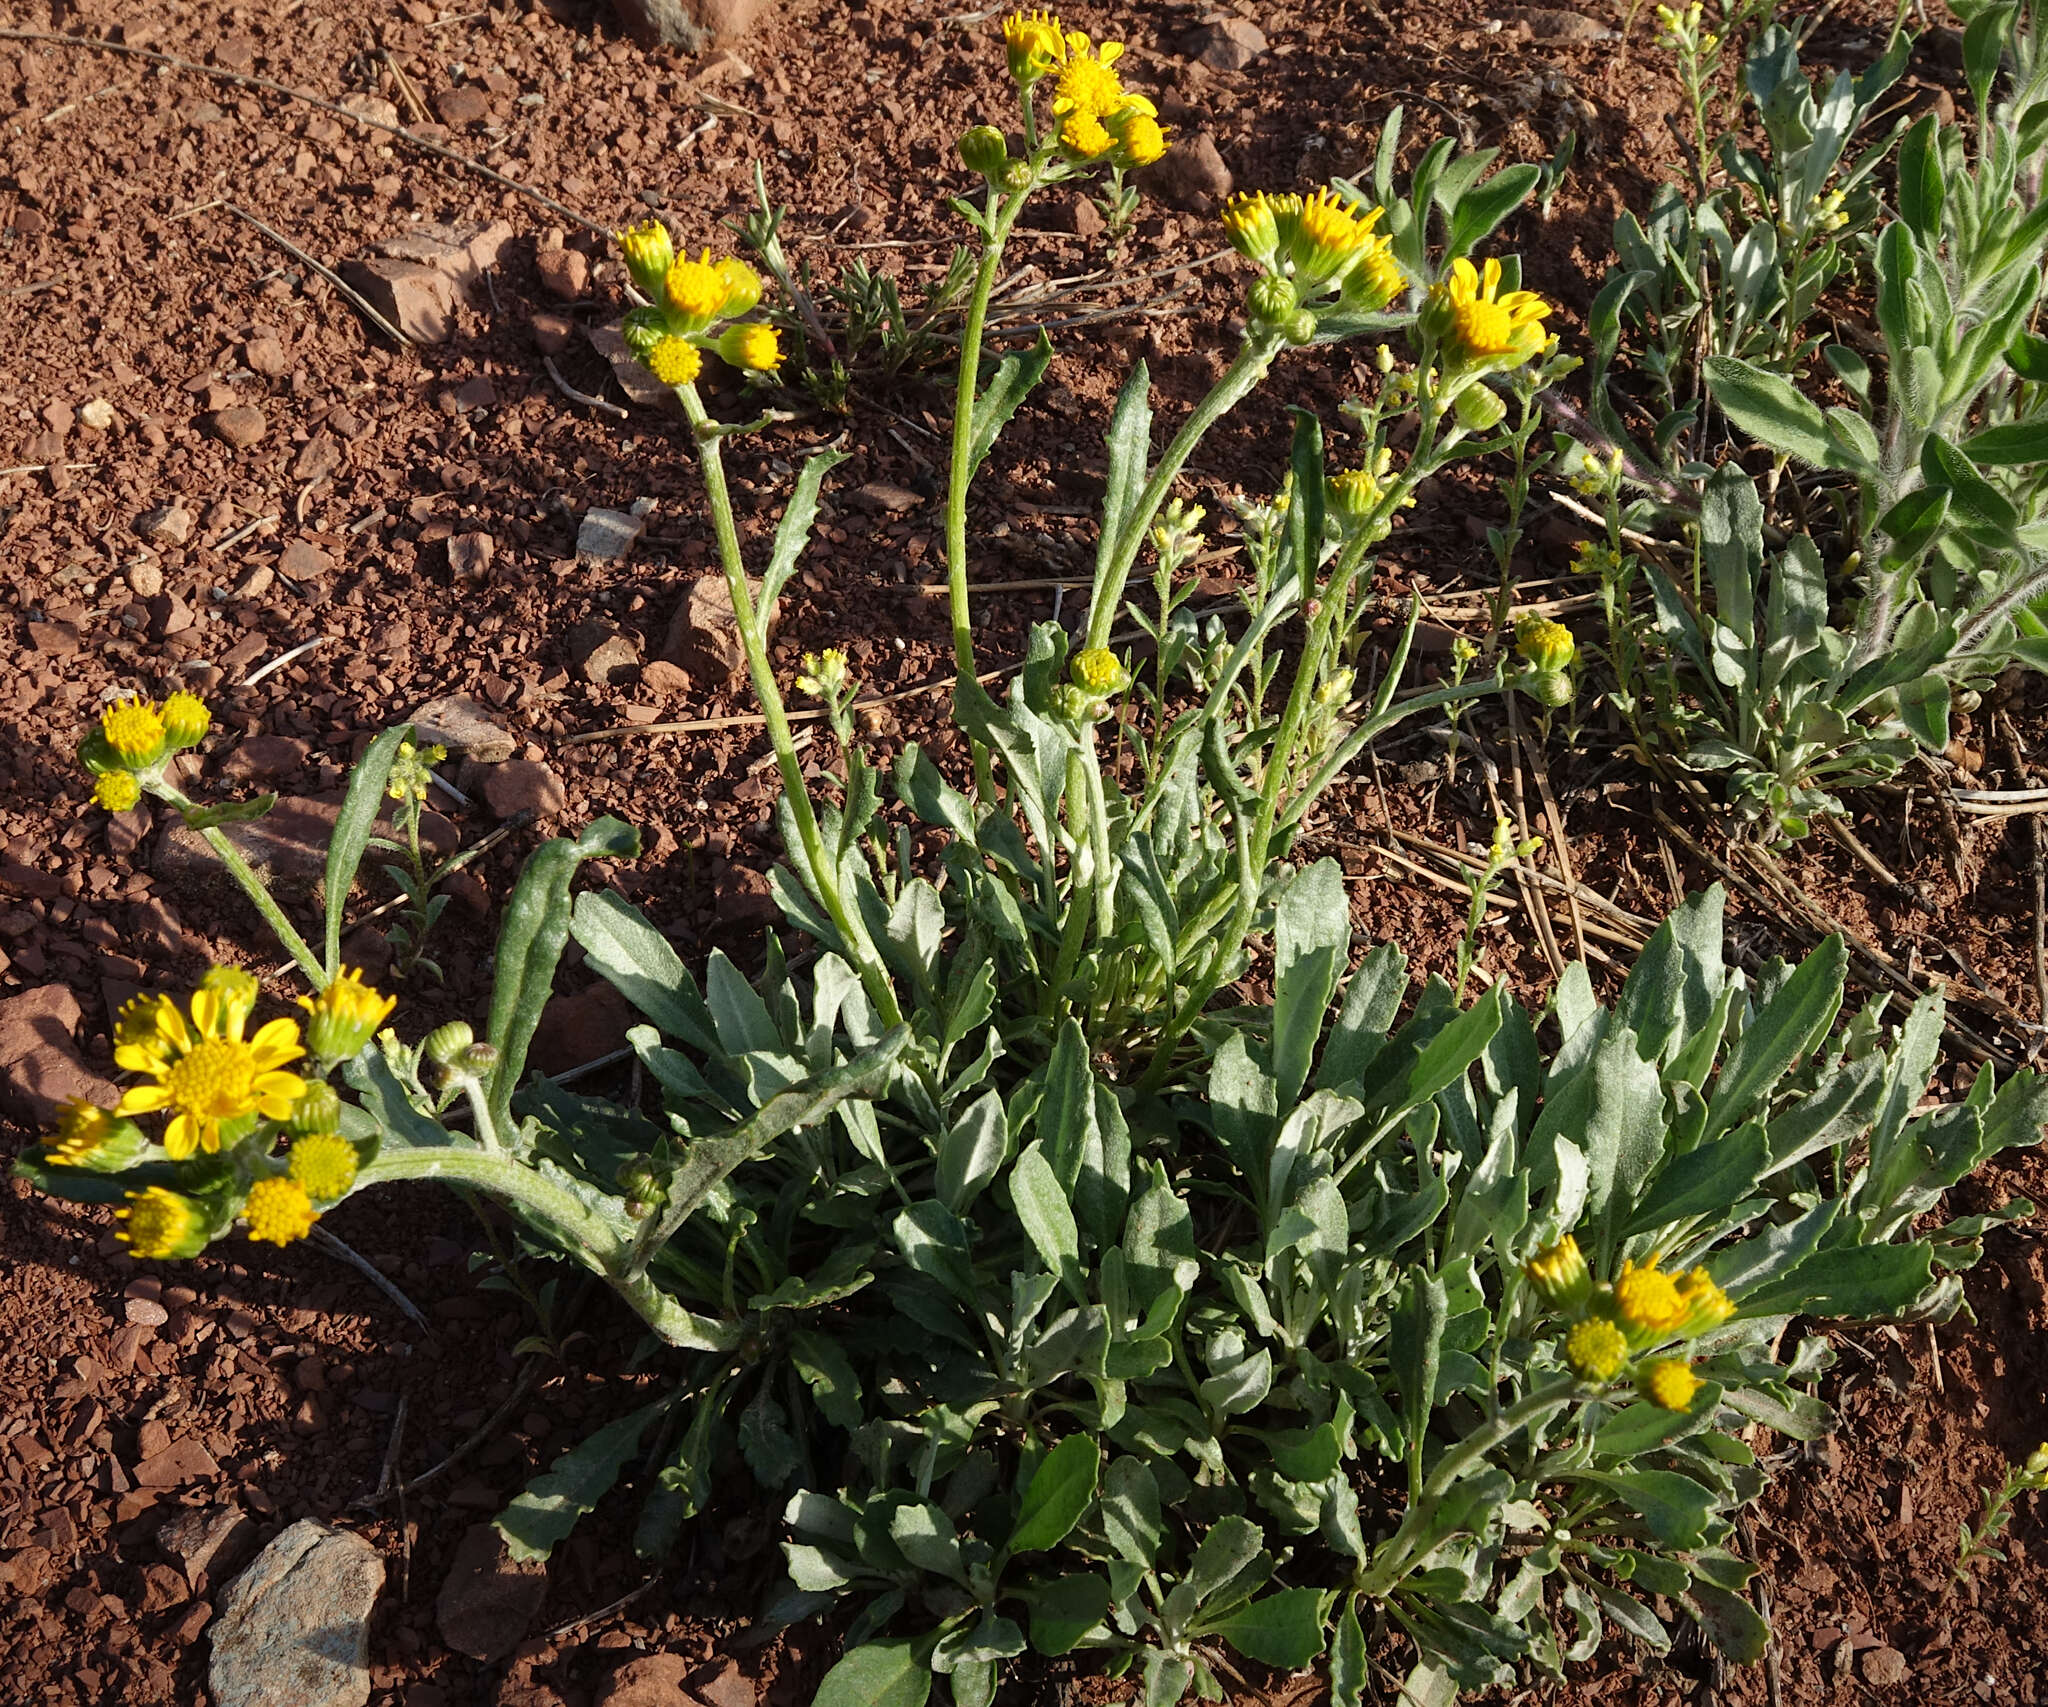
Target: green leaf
x: 228, y: 812
x: 1348, y: 1658
x: 1643, y: 1427
x: 1130, y: 1511
x: 793, y: 533
x: 1311, y: 941
x: 1416, y: 1344
x: 353, y: 827
x: 1766, y: 406
x: 1734, y: 1626
x: 572, y: 1485
x: 1921, y: 190
x: 2010, y: 446
x: 1015, y: 376
x: 972, y: 1152
x: 1283, y: 1629
x: 1790, y: 1024
x: 1059, y: 1492
x: 1705, y: 1181
x: 1864, y: 1281
x: 835, y: 1387
x: 1481, y: 210
x: 624, y: 948
x: 1048, y: 1218
x: 530, y: 939
x: 1923, y: 708
x: 1064, y: 1610
x: 1130, y: 453
x: 1675, y: 1508
x: 877, y: 1674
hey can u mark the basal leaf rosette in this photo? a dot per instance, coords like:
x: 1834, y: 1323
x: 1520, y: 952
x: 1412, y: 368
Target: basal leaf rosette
x: 694, y: 306
x: 1634, y: 1327
x: 193, y: 1145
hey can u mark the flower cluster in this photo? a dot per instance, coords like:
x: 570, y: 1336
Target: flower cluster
x: 1306, y: 248
x: 1549, y: 650
x: 412, y: 772
x: 1099, y: 676
x: 694, y: 306
x: 1100, y: 121
x: 1360, y: 497
x: 127, y: 752
x: 1614, y: 1325
x: 230, y: 1095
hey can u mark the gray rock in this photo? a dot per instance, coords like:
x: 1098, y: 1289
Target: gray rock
x: 1542, y: 24
x: 205, y: 1539
x: 293, y: 1630
x: 416, y: 278
x: 607, y: 536
x: 1190, y: 176
x: 169, y: 524
x: 704, y: 635
x: 470, y: 554
x: 1228, y: 44
x: 464, y: 727
x: 692, y: 25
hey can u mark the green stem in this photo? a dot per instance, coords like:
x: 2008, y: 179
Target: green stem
x: 823, y: 870
x: 254, y: 887
x: 1253, y: 358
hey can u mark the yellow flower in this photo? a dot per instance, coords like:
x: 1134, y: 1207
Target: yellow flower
x: 1375, y: 278
x: 742, y: 286
x: 1327, y: 236
x: 134, y: 728
x: 186, y: 719
x: 824, y: 674
x: 1596, y: 1349
x: 1036, y: 45
x: 1144, y: 141
x: 117, y: 791
x: 161, y: 1224
x: 1668, y: 1383
x: 674, y: 361
x: 1545, y: 645
x: 237, y: 991
x: 1480, y: 327
x: 1648, y: 1303
x: 751, y: 346
x: 344, y: 1016
x: 1251, y: 221
x: 278, y: 1211
x: 89, y: 1136
x: 696, y: 290
x: 1559, y: 1276
x: 1706, y: 1305
x: 323, y: 1164
x: 649, y: 254
x: 206, y: 1073
x: 1086, y: 84
x: 1100, y: 672
x: 1084, y: 136
x: 135, y: 1026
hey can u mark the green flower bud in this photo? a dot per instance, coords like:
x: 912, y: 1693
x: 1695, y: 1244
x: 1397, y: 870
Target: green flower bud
x: 1016, y: 176
x: 1559, y: 1276
x: 1479, y: 408
x: 984, y: 150
x: 479, y: 1060
x: 445, y: 1043
x: 1272, y: 300
x: 1548, y: 687
x: 317, y: 1110
x: 1547, y: 646
x: 1299, y: 327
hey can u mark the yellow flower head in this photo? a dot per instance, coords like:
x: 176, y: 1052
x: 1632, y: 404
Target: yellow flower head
x: 751, y: 346
x: 1668, y: 1383
x: 649, y: 253
x: 1648, y: 1303
x: 696, y: 290
x: 1355, y: 493
x: 742, y: 286
x: 1545, y: 645
x: 1559, y: 1276
x: 136, y: 1027
x: 186, y: 719
x: 1086, y: 84
x: 117, y: 791
x: 1596, y: 1349
x: 1036, y: 45
x: 161, y: 1224
x: 1100, y: 672
x: 1327, y: 236
x: 1251, y: 221
x: 205, y: 1072
x: 1706, y: 1305
x: 1482, y: 328
x: 1085, y: 137
x: 825, y: 674
x: 237, y: 991
x: 278, y: 1211
x: 674, y: 361
x: 322, y: 1164
x: 1142, y: 136
x: 89, y: 1136
x: 344, y: 1016
x: 134, y: 728
x: 2037, y: 1461
x: 1375, y: 278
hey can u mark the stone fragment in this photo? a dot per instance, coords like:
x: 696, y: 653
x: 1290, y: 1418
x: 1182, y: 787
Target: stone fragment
x: 664, y: 680
x: 551, y: 330
x: 371, y: 107
x: 265, y: 355
x: 241, y: 426
x: 167, y: 524
x: 1884, y: 1668
x: 466, y: 728
x: 54, y: 639
x: 1191, y: 175
x: 207, y: 1541
x: 721, y: 1683
x: 652, y: 1680
x: 704, y: 635
x: 265, y: 758
x: 463, y: 105
x: 606, y: 536
x: 39, y: 1065
x: 1076, y: 212
x: 564, y: 273
x: 469, y: 555
x: 520, y: 785
x: 603, y: 656
x: 880, y: 497
x: 417, y: 278
x: 1542, y: 24
x: 293, y: 1630
x: 145, y: 579
x: 302, y: 560
x: 575, y: 1030
x: 318, y: 457
x: 489, y: 1598
x: 287, y: 845
x: 1226, y: 43
x: 97, y: 413
x: 178, y: 1463
x: 692, y: 25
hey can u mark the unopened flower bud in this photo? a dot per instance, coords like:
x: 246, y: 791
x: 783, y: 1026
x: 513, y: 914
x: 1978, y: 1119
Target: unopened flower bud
x: 478, y: 1060
x: 1548, y: 687
x: 1546, y: 646
x: 317, y: 1110
x: 1559, y: 1276
x: 1299, y: 327
x: 1272, y: 300
x: 1016, y: 176
x: 649, y: 252
x: 1479, y: 409
x: 446, y: 1042
x: 983, y: 150
x: 186, y: 719
x: 1100, y: 672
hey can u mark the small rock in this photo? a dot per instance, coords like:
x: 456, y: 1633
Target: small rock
x: 145, y: 579
x: 1539, y: 24
x: 564, y: 273
x: 207, y: 1540
x: 521, y: 784
x: 469, y: 556
x: 145, y: 1312
x: 653, y: 1680
x: 54, y: 639
x: 287, y: 845
x: 1885, y: 1667
x: 1227, y: 44
x: 169, y: 524
x: 240, y: 426
x: 575, y: 1030
x: 1076, y: 213
x: 98, y: 414
x: 881, y: 498
x: 302, y: 560
x: 265, y: 355
x: 704, y: 635
x: 466, y: 728
x: 692, y: 25
x: 178, y: 1463
x: 1191, y: 176
x: 293, y: 1630
x: 319, y: 457
x: 162, y: 1589
x: 417, y: 278
x: 551, y: 331
x: 256, y: 583
x: 603, y: 656
x: 265, y: 758
x: 39, y: 1065
x: 721, y: 1683
x: 489, y: 1598
x: 743, y: 894
x: 606, y: 536
x: 59, y: 418
x: 372, y: 107
x: 664, y: 680
x: 635, y: 381
x: 463, y: 105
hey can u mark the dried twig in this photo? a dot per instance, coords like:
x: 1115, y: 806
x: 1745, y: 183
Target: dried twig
x: 243, y: 532
x: 1558, y: 841
x: 569, y: 391
x: 376, y: 1276
x: 486, y: 1430
x: 603, y: 1612
x: 413, y: 103
x: 282, y: 659
x: 328, y: 273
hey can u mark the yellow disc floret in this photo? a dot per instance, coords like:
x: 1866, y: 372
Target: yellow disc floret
x: 278, y: 1211
x: 1329, y: 235
x: 134, y: 728
x: 1596, y: 1349
x: 323, y: 1164
x: 1648, y: 1303
x: 186, y: 719
x: 742, y: 286
x: 674, y: 361
x: 160, y: 1223
x: 1482, y: 327
x: 1668, y: 1383
x: 1086, y: 84
x: 1144, y: 141
x: 1545, y: 645
x: 344, y: 1016
x: 752, y: 346
x: 1706, y: 1305
x: 205, y: 1073
x: 1085, y: 137
x: 1099, y: 671
x: 117, y: 791
x: 696, y: 290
